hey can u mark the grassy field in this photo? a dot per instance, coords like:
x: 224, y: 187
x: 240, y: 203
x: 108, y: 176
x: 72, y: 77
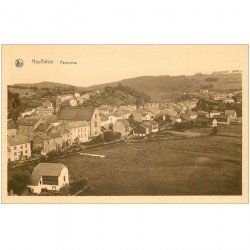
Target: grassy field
x: 209, y: 165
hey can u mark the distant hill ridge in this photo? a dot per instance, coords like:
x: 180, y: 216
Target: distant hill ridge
x: 159, y: 87
x: 44, y: 84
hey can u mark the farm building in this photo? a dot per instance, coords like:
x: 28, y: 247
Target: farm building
x: 49, y: 176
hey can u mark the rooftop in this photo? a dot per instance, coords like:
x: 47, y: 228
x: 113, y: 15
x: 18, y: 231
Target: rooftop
x: 76, y: 113
x: 17, y: 140
x: 47, y: 169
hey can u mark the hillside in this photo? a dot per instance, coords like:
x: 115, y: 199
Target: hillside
x: 162, y: 87
x: 45, y: 84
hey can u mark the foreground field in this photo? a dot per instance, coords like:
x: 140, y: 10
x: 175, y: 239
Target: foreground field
x: 196, y: 166
x: 208, y: 165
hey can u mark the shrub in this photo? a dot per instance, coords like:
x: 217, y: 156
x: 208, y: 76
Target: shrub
x: 18, y: 183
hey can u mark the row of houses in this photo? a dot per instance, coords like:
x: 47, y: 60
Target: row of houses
x: 46, y: 133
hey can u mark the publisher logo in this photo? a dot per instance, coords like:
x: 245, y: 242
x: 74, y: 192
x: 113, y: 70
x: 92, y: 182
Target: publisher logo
x: 19, y: 63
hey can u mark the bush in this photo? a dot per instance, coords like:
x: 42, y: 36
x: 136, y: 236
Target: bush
x: 18, y: 183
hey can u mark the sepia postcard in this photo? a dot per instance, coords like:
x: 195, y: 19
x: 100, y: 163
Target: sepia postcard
x: 124, y: 123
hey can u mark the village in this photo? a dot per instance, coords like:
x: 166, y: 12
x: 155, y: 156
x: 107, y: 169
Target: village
x: 46, y: 130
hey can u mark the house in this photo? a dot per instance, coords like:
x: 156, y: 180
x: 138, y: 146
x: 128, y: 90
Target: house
x: 44, y: 111
x: 121, y: 126
x: 18, y: 147
x: 49, y: 176
x: 77, y: 95
x: 121, y: 114
x: 47, y: 142
x: 104, y: 109
x: 228, y: 100
x: 61, y: 99
x: 46, y: 122
x: 147, y: 116
x: 11, y: 128
x: 27, y: 125
x: 161, y: 117
x: 213, y: 113
x: 231, y: 113
x: 79, y: 131
x: 90, y: 115
x: 153, y: 126
x: 64, y: 130
x: 42, y: 127
x: 222, y: 119
x: 104, y: 120
x: 141, y: 130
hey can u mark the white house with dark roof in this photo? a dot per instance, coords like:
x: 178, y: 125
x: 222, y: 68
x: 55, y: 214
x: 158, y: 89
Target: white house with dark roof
x: 49, y: 176
x: 90, y: 115
x: 18, y: 147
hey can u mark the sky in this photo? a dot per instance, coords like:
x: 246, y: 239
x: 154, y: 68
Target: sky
x: 97, y: 64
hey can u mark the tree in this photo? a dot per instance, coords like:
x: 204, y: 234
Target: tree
x: 18, y: 182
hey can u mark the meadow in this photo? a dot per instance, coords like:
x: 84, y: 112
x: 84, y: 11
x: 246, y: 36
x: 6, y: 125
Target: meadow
x: 206, y: 165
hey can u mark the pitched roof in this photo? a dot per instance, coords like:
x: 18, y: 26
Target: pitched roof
x: 124, y: 122
x: 49, y: 118
x: 45, y: 169
x: 42, y: 127
x: 54, y: 134
x: 43, y: 136
x: 76, y: 113
x: 17, y: 140
x: 77, y: 124
x: 104, y: 107
x: 119, y: 113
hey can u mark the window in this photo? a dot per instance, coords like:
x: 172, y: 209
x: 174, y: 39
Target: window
x: 15, y: 154
x: 96, y: 124
x: 95, y: 115
x: 21, y: 147
x: 26, y: 151
x: 64, y: 178
x: 26, y: 145
x: 40, y: 182
x: 50, y: 180
x: 14, y: 148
